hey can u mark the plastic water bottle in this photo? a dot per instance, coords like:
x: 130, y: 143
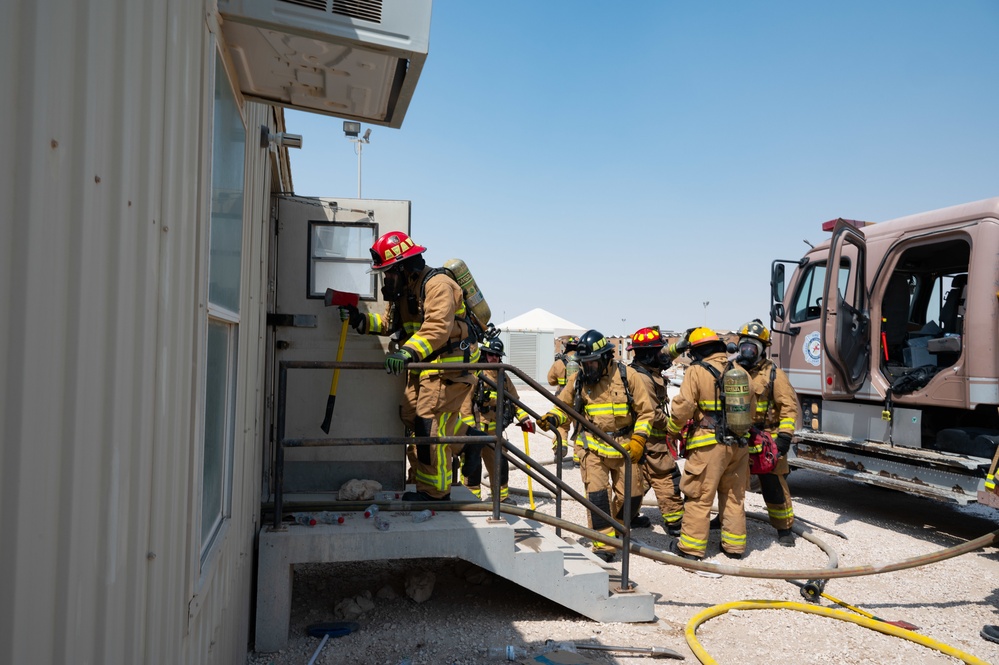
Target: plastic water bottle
x: 304, y: 518
x: 381, y: 523
x: 329, y: 517
x: 423, y: 515
x: 509, y: 653
x: 371, y: 511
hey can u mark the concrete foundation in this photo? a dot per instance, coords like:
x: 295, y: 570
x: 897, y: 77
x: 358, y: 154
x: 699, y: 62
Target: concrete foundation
x: 524, y: 551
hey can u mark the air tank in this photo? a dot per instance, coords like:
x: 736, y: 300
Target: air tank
x: 571, y: 365
x: 735, y: 385
x: 474, y: 300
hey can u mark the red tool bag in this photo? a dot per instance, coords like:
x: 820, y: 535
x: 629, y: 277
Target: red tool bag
x: 765, y: 460
x: 678, y: 444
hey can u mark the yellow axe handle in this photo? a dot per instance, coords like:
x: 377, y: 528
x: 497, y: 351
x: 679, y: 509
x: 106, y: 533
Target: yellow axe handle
x: 530, y: 485
x: 331, y: 401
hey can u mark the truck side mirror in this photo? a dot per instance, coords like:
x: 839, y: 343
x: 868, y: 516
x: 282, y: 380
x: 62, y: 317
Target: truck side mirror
x: 777, y: 283
x: 777, y: 311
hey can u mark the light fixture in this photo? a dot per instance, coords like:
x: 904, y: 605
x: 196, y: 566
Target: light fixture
x: 279, y: 138
x: 351, y: 128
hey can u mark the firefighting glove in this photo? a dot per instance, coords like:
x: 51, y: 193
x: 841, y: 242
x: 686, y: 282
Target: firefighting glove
x: 395, y: 363
x: 783, y: 442
x: 636, y: 447
x: 547, y: 423
x: 353, y: 316
x: 527, y: 425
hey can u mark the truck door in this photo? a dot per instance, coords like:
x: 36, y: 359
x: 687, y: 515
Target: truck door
x: 324, y: 243
x: 845, y: 318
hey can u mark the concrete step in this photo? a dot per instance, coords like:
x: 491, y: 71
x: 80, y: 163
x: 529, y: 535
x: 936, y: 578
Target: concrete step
x: 585, y: 583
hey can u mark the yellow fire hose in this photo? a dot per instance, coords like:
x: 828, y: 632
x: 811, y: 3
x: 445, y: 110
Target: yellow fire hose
x: 881, y: 627
x: 530, y: 485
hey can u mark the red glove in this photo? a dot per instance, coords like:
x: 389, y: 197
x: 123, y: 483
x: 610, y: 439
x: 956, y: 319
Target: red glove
x: 527, y: 425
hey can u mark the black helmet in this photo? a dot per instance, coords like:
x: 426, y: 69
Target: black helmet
x: 593, y: 345
x: 493, y: 346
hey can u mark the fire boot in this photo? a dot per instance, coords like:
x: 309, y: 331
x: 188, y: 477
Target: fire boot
x: 785, y: 537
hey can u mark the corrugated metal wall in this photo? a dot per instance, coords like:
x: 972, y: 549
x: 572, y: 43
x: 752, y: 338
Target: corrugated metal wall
x: 105, y: 146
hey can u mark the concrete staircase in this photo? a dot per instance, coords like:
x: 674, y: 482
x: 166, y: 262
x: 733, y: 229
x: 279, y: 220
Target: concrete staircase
x: 524, y: 551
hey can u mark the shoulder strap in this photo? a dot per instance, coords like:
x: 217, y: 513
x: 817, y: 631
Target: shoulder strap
x: 639, y: 368
x: 627, y: 389
x: 719, y: 397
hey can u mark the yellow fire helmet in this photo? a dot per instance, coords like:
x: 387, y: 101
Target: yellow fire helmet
x: 701, y: 336
x: 756, y: 330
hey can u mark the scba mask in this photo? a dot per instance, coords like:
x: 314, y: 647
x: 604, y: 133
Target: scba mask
x: 593, y: 370
x: 750, y: 352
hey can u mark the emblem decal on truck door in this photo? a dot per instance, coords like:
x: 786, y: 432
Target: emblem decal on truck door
x: 812, y: 348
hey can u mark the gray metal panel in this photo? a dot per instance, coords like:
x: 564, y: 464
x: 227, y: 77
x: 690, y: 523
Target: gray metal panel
x: 101, y: 248
x: 863, y: 422
x: 522, y: 353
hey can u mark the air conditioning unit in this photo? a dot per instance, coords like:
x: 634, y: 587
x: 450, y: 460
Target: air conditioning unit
x: 355, y: 59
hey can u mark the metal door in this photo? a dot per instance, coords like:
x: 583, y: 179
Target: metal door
x: 846, y: 321
x: 320, y: 243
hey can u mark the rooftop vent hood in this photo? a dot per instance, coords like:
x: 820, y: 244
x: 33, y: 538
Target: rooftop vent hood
x: 355, y: 59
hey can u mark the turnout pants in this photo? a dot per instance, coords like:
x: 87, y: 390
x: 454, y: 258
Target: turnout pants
x: 714, y: 470
x: 438, y: 407
x: 777, y: 496
x: 603, y: 481
x: 663, y: 474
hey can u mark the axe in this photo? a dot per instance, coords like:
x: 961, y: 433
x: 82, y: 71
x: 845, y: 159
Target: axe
x: 342, y: 299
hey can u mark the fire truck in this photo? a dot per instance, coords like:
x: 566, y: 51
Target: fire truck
x: 888, y: 332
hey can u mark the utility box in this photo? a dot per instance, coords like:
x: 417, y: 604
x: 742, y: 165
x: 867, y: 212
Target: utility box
x: 354, y: 59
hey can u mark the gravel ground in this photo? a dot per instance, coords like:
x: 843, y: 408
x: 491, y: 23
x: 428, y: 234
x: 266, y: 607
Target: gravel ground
x: 471, y: 609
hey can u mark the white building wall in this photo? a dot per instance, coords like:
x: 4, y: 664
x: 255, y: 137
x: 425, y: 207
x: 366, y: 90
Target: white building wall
x: 103, y: 229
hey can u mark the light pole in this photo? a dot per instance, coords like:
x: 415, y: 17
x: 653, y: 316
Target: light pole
x: 351, y: 130
x: 706, y: 303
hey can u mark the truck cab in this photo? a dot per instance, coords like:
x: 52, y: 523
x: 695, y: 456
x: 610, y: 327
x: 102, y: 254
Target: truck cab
x: 888, y: 332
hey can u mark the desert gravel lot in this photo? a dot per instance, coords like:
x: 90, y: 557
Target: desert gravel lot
x: 471, y: 609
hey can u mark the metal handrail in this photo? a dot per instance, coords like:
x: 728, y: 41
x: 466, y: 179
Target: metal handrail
x: 519, y: 459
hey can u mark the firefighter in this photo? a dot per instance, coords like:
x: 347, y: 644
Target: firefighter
x: 557, y: 375
x: 658, y: 467
x: 401, y: 319
x: 481, y: 403
x: 615, y: 400
x: 443, y: 335
x: 717, y: 460
x: 777, y: 413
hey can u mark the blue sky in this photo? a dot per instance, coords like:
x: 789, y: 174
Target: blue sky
x: 620, y: 168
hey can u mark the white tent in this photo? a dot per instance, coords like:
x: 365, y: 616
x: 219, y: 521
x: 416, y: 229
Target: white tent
x: 529, y: 340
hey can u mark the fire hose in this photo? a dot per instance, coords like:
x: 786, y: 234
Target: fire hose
x: 831, y: 572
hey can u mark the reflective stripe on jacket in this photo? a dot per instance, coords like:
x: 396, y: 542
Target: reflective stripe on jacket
x: 605, y: 405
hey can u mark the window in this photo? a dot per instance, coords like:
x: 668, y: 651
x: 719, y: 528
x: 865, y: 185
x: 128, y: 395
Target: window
x: 808, y: 300
x: 340, y: 256
x: 225, y: 254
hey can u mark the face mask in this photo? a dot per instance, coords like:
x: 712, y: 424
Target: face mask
x: 592, y: 371
x: 391, y: 285
x: 749, y: 353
